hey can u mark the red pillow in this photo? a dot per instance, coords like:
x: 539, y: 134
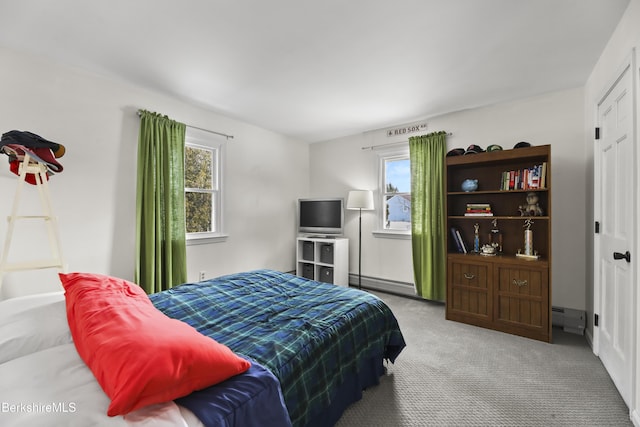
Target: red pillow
x: 139, y: 355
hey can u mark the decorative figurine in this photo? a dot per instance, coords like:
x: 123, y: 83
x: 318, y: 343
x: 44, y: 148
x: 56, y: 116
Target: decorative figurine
x: 476, y: 238
x: 532, y: 207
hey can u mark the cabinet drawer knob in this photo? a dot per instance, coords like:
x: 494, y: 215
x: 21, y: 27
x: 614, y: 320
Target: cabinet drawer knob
x: 469, y: 276
x: 519, y: 282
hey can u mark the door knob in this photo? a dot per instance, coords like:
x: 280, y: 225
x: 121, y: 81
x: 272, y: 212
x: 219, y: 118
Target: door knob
x: 626, y: 256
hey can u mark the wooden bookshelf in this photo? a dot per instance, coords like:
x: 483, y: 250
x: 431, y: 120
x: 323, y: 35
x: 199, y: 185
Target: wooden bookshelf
x: 504, y: 291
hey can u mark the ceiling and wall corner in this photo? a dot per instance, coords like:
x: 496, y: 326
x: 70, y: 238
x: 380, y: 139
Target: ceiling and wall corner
x: 316, y: 71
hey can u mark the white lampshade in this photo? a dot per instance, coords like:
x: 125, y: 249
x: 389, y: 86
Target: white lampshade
x: 360, y: 199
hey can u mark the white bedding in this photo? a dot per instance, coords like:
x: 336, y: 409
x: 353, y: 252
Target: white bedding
x: 43, y: 381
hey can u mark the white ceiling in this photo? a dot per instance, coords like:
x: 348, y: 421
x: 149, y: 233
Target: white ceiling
x: 318, y: 70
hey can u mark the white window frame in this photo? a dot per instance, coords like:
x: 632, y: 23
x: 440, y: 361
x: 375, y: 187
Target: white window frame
x: 383, y: 156
x: 205, y: 140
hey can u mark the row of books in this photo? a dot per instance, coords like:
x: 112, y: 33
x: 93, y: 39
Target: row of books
x: 478, y: 209
x: 525, y: 179
x: 457, y: 239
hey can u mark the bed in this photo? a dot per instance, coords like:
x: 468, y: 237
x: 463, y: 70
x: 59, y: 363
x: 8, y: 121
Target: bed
x: 312, y: 348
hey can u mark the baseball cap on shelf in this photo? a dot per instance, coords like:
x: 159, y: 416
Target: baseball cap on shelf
x: 32, y: 140
x: 522, y: 144
x: 473, y: 149
x: 455, y: 152
x: 39, y: 154
x: 494, y: 147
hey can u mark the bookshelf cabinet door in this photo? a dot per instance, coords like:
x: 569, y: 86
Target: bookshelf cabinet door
x: 521, y: 300
x: 469, y: 290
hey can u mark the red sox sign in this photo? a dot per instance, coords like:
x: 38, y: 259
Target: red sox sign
x: 407, y: 129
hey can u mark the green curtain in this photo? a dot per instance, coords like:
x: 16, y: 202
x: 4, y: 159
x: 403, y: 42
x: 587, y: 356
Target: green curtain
x: 160, y: 219
x: 428, y: 222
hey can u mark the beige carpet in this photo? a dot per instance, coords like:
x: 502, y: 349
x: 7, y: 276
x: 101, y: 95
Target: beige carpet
x: 452, y: 374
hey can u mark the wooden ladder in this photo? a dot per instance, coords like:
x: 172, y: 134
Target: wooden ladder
x: 39, y: 170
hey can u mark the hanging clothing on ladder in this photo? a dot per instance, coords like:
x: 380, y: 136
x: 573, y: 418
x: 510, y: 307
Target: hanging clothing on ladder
x: 16, y: 144
x: 33, y: 159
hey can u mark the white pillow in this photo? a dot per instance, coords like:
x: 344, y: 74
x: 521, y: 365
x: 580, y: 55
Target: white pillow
x: 32, y: 323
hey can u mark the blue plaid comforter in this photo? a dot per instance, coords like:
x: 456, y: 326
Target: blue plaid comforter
x: 309, y: 334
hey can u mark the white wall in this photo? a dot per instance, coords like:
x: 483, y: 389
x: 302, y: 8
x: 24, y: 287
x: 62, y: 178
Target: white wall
x: 94, y: 197
x: 555, y: 118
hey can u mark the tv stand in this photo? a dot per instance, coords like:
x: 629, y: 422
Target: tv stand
x: 323, y: 259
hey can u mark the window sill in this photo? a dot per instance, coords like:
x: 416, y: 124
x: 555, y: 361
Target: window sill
x: 392, y: 234
x: 205, y: 240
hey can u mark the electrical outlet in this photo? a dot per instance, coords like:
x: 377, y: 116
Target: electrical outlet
x: 201, y: 276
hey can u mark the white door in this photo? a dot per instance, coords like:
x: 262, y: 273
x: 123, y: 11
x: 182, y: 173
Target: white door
x: 614, y: 210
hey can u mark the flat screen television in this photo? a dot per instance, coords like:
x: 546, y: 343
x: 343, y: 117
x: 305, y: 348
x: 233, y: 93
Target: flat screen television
x: 322, y: 216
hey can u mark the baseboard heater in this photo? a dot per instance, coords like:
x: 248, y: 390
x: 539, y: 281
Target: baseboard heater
x: 569, y: 319
x: 384, y: 285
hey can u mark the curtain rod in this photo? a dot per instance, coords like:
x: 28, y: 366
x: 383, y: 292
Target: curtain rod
x: 202, y: 129
x: 373, y: 147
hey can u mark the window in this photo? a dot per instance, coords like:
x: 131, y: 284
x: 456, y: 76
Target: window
x: 203, y: 187
x: 395, y: 191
